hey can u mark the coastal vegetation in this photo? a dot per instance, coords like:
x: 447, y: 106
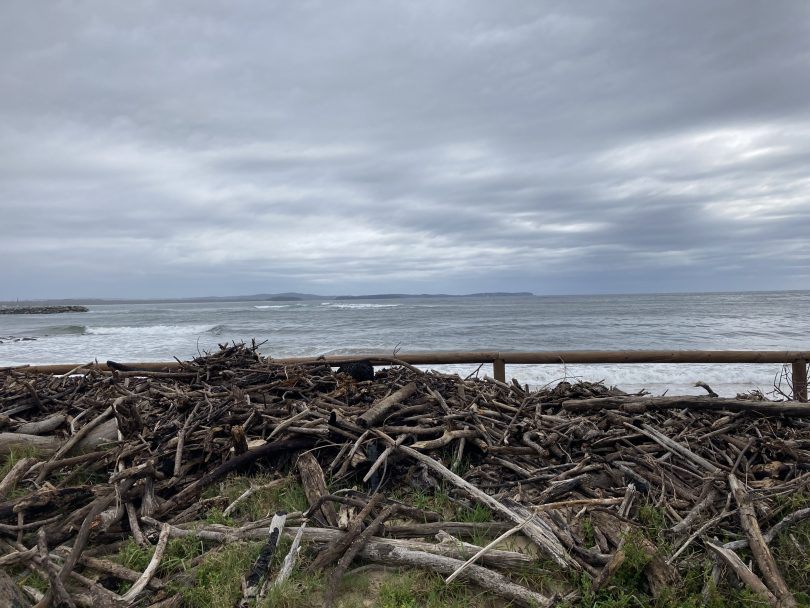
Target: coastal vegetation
x: 233, y: 480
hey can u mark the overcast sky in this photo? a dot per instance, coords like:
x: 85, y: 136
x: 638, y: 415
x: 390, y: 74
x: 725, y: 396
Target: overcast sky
x: 196, y: 148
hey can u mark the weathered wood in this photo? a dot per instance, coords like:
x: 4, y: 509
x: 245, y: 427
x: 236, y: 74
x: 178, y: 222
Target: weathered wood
x: 142, y: 582
x: 314, y: 483
x: 261, y: 567
x: 377, y: 412
x: 799, y: 380
x: 499, y: 370
x: 41, y: 427
x: 188, y: 494
x: 519, y: 447
x: 477, y: 575
x: 289, y: 560
x: 352, y: 550
x: 14, y: 475
x: 537, y: 531
x: 759, y: 548
x: 524, y: 358
x: 336, y: 549
x: 637, y: 405
x: 19, y: 441
x: 743, y: 573
x: 11, y: 595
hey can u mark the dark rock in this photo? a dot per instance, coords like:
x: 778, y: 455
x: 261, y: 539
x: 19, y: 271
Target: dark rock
x: 361, y: 371
x: 41, y: 310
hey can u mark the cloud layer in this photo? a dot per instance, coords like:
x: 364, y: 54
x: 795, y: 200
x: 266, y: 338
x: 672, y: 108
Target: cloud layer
x: 195, y: 148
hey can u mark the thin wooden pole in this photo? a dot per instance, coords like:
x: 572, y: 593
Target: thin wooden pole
x: 799, y: 369
x: 499, y: 369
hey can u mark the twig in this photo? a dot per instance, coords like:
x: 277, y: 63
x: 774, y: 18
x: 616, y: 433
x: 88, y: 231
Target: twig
x: 483, y: 550
x: 154, y: 563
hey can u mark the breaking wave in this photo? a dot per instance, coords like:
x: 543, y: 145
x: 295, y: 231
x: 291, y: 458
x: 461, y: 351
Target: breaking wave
x: 152, y: 330
x: 364, y: 305
x: 62, y: 330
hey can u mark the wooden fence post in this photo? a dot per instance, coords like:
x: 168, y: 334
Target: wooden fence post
x: 499, y: 370
x: 799, y: 369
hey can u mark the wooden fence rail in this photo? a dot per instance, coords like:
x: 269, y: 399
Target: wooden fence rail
x: 499, y: 359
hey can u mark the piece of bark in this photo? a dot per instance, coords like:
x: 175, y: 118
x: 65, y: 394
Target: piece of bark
x: 377, y: 412
x: 314, y: 483
x: 609, y: 569
x: 240, y: 444
x: 759, y: 548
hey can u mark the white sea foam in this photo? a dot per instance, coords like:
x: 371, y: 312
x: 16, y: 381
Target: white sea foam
x: 266, y: 306
x: 725, y: 379
x: 151, y: 330
x: 363, y: 305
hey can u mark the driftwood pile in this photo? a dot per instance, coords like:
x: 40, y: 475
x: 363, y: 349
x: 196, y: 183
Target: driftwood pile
x: 545, y: 463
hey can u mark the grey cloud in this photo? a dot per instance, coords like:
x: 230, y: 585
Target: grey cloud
x: 191, y: 148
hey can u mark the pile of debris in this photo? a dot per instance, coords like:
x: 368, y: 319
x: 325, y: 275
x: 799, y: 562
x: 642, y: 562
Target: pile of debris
x: 547, y: 464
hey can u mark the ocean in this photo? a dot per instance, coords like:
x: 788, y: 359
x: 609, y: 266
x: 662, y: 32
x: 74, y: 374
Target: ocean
x: 721, y: 321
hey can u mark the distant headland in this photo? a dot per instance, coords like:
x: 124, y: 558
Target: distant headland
x: 396, y: 296
x: 259, y: 297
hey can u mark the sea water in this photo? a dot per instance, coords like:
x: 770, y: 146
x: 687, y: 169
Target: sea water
x: 722, y: 321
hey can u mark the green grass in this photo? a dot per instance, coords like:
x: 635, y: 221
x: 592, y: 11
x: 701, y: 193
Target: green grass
x: 288, y: 496
x: 792, y: 552
x: 653, y: 522
x: 177, y: 557
x: 35, y: 581
x: 418, y: 589
x: 478, y: 514
x: 217, y: 581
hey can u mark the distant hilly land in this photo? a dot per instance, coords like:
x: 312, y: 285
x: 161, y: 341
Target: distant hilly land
x: 274, y: 297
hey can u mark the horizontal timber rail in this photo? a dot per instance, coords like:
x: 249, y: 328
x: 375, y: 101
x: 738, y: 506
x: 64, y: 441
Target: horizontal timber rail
x: 499, y: 359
